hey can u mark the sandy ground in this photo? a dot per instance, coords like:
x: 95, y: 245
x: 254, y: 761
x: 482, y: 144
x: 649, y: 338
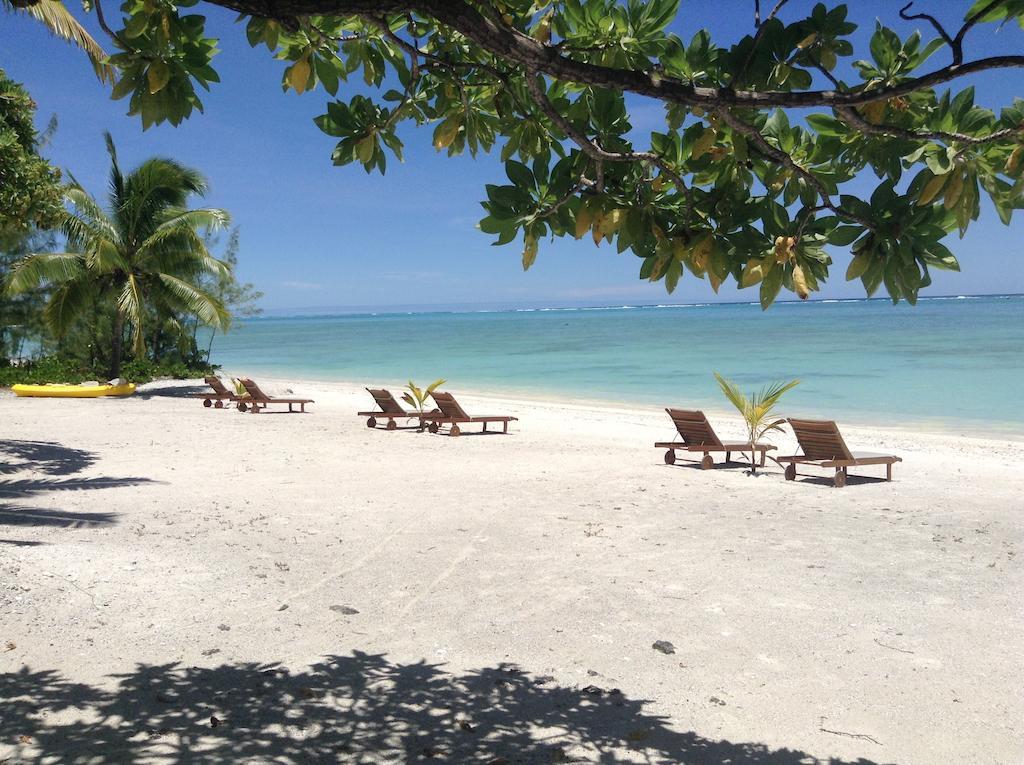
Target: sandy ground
x: 188, y: 585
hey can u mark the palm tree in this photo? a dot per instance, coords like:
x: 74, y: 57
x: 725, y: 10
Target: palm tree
x: 757, y: 410
x: 58, y: 19
x: 142, y: 259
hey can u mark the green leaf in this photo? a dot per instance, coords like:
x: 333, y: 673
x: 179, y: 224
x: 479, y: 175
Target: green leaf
x: 770, y: 286
x: 519, y: 174
x: 158, y: 75
x: 858, y: 265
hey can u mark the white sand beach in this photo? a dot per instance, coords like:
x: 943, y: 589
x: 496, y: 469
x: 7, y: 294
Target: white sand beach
x: 180, y: 584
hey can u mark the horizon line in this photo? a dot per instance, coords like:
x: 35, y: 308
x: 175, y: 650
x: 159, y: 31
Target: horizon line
x: 327, y: 311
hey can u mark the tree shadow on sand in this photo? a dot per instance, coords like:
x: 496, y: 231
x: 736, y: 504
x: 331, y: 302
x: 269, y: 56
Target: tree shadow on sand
x: 361, y: 708
x: 58, y: 465
x: 171, y: 391
x: 43, y: 456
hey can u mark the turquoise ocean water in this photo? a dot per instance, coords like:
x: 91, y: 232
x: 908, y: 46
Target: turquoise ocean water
x: 953, y: 363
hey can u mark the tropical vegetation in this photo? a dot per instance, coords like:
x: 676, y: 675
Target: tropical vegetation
x: 417, y: 397
x: 777, y: 149
x: 757, y: 410
x: 133, y: 282
x: 30, y: 189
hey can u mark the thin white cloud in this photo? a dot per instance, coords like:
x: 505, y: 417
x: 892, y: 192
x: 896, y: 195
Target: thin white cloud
x: 308, y: 286
x: 410, y: 276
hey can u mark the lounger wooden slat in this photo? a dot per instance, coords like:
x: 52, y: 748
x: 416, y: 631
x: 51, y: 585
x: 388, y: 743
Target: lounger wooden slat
x: 822, y: 445
x: 450, y: 413
x: 219, y: 395
x: 390, y: 410
x: 698, y: 437
x: 258, y: 400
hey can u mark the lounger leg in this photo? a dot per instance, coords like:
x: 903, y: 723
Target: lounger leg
x: 839, y: 481
x: 764, y: 455
x: 728, y: 457
x: 485, y: 427
x: 888, y: 471
x: 505, y: 428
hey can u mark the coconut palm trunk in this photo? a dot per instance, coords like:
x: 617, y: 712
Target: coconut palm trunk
x: 116, y: 345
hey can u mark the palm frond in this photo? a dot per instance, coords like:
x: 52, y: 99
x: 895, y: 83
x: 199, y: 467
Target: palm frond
x: 88, y: 221
x: 153, y: 187
x: 734, y: 394
x: 176, y: 244
x: 68, y: 303
x: 105, y: 257
x: 116, y: 176
x: 44, y: 268
x: 131, y: 305
x: 60, y: 22
x: 435, y: 385
x: 769, y: 395
x: 207, y: 308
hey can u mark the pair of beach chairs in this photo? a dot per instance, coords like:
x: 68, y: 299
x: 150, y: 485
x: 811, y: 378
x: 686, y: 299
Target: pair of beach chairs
x: 448, y: 414
x: 821, y: 445
x: 253, y: 400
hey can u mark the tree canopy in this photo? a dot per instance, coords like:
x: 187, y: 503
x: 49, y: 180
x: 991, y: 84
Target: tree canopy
x: 767, y: 147
x: 30, y: 189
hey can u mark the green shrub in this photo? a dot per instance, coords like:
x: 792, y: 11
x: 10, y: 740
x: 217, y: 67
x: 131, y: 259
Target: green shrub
x: 55, y: 369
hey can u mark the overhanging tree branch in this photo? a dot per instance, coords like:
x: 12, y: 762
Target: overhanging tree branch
x: 591, y: 148
x: 520, y: 49
x: 854, y: 119
x: 782, y: 158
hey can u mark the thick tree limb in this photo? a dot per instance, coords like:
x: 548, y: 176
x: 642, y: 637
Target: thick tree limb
x: 519, y: 49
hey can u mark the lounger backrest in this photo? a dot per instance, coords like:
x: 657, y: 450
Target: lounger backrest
x: 217, y: 385
x: 820, y: 439
x: 448, y: 405
x: 694, y: 428
x: 386, y: 401
x: 253, y: 390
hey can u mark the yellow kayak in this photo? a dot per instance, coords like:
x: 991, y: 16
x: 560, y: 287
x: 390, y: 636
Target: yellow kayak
x: 55, y: 390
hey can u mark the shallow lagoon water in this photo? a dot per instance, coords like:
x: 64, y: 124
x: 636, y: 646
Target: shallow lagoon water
x: 947, y: 362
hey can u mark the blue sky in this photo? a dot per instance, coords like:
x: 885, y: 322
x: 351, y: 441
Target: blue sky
x: 314, y: 235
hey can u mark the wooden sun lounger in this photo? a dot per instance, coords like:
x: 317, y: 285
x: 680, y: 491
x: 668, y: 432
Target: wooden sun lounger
x: 258, y: 400
x: 390, y: 410
x: 219, y: 395
x: 823, y: 445
x: 699, y: 437
x: 453, y: 415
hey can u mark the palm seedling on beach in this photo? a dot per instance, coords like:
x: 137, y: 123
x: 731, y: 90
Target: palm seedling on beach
x: 417, y: 397
x: 757, y: 410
